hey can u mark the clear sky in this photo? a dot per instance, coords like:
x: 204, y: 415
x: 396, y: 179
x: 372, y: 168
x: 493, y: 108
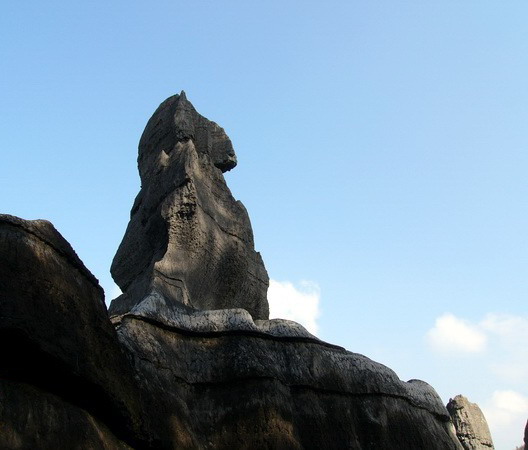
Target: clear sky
x: 382, y: 154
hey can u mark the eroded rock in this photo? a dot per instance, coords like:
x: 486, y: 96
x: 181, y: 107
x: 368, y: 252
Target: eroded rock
x: 471, y: 427
x: 33, y: 418
x: 188, y: 238
x: 58, y: 339
x: 225, y: 382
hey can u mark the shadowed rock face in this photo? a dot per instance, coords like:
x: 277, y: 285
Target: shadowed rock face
x: 188, y: 238
x: 63, y: 373
x: 471, y: 427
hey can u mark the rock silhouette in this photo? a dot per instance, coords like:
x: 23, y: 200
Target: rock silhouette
x: 188, y: 359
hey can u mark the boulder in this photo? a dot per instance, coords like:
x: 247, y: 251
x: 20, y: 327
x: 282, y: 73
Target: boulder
x: 471, y: 427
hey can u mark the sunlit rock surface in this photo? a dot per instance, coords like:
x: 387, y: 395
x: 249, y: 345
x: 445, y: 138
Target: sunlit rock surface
x: 471, y: 427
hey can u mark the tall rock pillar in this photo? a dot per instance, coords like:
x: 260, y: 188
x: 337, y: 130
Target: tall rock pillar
x: 188, y: 238
x: 471, y: 427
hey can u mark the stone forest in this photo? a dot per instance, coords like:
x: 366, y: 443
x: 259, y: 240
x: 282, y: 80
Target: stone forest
x: 186, y: 357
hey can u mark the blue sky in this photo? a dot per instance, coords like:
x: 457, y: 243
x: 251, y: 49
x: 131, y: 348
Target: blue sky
x: 382, y: 159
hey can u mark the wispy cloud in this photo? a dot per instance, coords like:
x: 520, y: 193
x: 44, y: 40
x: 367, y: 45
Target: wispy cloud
x: 502, y: 341
x: 509, y: 334
x: 506, y: 413
x: 453, y: 335
x: 503, y: 335
x: 299, y: 303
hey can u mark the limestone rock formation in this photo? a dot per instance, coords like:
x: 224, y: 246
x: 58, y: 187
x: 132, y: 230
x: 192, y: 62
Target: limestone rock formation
x: 471, y: 427
x: 225, y: 382
x: 193, y: 362
x: 63, y: 376
x: 188, y: 238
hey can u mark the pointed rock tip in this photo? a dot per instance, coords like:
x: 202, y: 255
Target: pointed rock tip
x: 182, y: 95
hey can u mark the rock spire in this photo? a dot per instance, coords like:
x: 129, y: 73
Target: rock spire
x: 188, y: 239
x: 471, y: 427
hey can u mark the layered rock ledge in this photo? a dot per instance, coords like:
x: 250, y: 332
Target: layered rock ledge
x: 237, y: 384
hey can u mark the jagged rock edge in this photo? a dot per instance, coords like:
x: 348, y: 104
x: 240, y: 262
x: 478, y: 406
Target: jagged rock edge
x: 68, y: 253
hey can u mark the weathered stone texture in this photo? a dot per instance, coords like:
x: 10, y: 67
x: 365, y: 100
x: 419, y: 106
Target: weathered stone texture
x: 57, y: 336
x: 471, y: 427
x: 32, y: 418
x: 188, y: 238
x: 235, y: 385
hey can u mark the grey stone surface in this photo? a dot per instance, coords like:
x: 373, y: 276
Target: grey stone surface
x: 32, y: 418
x: 471, y: 427
x: 155, y: 307
x: 58, y: 338
x: 188, y: 238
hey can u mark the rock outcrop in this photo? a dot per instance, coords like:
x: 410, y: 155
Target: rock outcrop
x: 223, y: 381
x: 188, y: 238
x: 193, y: 362
x: 63, y: 375
x: 471, y: 427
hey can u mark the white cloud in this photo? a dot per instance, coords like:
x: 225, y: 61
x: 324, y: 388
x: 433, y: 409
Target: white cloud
x: 453, y: 335
x: 299, y: 303
x: 503, y: 336
x: 503, y: 340
x: 509, y: 334
x: 512, y: 329
x: 506, y: 414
